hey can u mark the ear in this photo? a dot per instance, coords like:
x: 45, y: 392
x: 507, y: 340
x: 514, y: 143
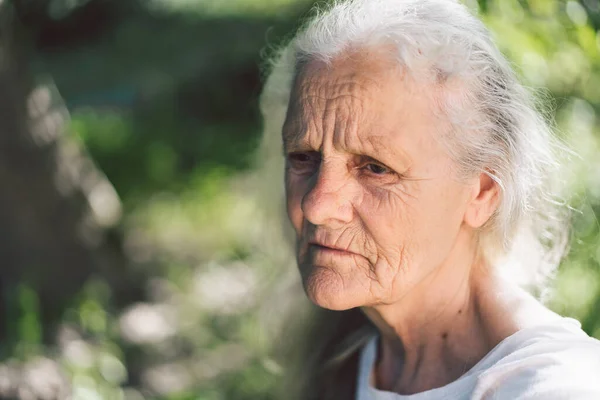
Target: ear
x: 485, y: 198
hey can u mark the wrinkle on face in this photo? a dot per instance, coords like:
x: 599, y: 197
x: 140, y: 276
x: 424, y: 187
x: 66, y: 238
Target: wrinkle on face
x: 399, y: 225
x: 336, y: 117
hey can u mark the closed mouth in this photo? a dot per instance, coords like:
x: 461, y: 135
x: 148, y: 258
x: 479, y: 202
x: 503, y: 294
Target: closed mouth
x: 330, y: 248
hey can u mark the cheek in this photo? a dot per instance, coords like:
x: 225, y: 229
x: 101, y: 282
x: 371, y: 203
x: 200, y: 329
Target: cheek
x: 439, y: 219
x: 389, y: 217
x: 412, y: 225
x: 295, y: 190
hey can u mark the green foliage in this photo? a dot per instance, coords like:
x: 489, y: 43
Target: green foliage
x: 29, y: 330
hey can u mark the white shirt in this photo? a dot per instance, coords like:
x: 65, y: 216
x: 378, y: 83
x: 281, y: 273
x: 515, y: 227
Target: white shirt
x: 555, y: 361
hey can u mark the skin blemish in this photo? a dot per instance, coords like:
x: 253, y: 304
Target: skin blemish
x: 460, y: 311
x: 445, y: 335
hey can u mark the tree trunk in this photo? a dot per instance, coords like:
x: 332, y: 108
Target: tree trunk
x: 56, y: 208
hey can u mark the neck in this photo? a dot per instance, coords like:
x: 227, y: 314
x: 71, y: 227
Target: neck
x: 447, y: 335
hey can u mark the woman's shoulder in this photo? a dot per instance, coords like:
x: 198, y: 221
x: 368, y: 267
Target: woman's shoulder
x: 551, y: 361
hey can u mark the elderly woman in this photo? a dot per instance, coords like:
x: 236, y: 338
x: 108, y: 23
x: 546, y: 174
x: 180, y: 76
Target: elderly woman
x: 419, y: 183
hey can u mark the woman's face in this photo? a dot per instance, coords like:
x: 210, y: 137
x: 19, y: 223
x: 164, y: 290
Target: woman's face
x: 370, y: 190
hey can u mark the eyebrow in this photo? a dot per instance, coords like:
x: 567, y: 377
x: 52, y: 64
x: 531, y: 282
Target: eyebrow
x: 290, y: 139
x: 379, y: 151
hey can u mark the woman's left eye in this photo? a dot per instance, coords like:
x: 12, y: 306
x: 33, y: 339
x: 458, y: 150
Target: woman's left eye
x: 377, y: 169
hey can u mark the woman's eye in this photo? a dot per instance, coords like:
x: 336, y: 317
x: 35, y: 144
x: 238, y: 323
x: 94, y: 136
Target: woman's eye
x: 299, y: 157
x: 303, y: 161
x: 376, y: 169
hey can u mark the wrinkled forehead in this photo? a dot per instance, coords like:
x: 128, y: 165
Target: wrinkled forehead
x: 377, y: 80
x: 318, y: 87
x: 359, y: 80
x: 369, y: 68
x: 366, y: 88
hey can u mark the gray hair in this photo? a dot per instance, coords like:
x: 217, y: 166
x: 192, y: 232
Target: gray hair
x: 497, y: 127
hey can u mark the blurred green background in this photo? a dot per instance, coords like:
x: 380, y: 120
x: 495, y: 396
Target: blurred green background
x: 137, y: 260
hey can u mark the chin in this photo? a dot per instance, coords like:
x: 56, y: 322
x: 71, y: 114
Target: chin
x: 325, y: 288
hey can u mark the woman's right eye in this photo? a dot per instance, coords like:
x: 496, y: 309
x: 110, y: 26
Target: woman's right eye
x: 299, y: 157
x: 304, y: 161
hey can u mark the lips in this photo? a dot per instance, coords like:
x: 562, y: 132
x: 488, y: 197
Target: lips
x: 323, y: 246
x: 316, y: 246
x: 326, y: 242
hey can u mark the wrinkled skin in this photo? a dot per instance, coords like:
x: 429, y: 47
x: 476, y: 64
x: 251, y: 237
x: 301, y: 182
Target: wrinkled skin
x: 383, y: 222
x: 367, y: 174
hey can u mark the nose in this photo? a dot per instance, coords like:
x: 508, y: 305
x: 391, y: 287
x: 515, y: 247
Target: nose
x: 329, y: 200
